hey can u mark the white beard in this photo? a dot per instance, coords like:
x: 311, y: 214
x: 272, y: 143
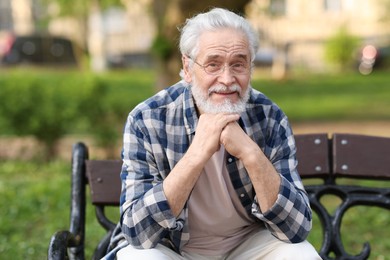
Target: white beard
x: 204, y: 103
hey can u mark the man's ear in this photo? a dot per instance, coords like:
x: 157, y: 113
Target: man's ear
x: 186, y: 69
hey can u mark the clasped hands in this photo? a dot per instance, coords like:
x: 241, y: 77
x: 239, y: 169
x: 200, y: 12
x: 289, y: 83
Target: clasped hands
x: 222, y: 128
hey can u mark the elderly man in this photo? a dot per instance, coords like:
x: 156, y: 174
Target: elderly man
x: 209, y: 166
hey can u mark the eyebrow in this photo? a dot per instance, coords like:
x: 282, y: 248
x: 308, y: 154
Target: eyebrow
x: 216, y: 56
x: 243, y: 56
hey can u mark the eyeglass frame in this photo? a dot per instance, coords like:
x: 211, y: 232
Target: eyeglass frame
x: 222, y: 69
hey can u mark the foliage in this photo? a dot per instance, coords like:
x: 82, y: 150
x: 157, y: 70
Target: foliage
x: 340, y: 48
x: 386, y: 11
x: 162, y: 47
x: 78, y: 8
x: 39, y: 107
x: 51, y: 104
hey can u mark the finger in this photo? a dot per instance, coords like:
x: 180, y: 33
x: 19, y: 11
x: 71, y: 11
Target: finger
x: 229, y: 118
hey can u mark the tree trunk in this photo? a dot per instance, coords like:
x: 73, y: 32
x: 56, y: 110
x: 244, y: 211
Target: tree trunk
x: 96, y: 38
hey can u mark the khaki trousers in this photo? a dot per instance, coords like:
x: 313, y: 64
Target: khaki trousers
x: 260, y: 246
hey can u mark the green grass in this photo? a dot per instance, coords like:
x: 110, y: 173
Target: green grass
x: 331, y: 97
x: 35, y: 198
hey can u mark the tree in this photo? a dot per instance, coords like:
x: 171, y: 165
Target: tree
x: 169, y: 15
x: 340, y: 48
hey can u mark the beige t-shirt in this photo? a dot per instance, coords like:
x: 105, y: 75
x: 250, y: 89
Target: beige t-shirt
x: 217, y: 220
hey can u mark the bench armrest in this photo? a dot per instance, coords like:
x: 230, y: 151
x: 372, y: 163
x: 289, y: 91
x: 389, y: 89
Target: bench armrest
x: 71, y: 242
x: 59, y: 244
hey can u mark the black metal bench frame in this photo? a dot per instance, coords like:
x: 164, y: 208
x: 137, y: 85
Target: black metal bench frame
x: 320, y: 156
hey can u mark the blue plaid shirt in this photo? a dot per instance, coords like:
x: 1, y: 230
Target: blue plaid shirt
x: 157, y: 134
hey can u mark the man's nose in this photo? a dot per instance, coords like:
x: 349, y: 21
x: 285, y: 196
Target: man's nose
x: 226, y: 77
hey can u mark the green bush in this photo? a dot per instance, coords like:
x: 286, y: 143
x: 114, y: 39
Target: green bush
x: 100, y: 112
x: 162, y: 47
x: 35, y: 107
x: 49, y: 105
x: 341, y: 48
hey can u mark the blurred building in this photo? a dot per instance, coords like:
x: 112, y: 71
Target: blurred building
x: 297, y: 29
x: 17, y: 16
x: 292, y: 32
x: 121, y: 32
x: 121, y: 35
x: 6, y: 20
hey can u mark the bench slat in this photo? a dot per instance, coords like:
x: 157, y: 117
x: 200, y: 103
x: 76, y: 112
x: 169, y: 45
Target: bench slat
x: 104, y: 181
x: 313, y: 155
x: 361, y: 156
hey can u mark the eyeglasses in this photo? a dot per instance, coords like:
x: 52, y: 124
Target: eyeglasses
x: 216, y: 68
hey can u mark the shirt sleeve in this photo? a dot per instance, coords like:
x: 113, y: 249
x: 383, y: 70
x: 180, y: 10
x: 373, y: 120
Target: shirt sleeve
x: 146, y: 217
x: 290, y: 218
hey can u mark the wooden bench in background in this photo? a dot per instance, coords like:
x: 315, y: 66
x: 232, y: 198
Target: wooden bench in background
x: 320, y: 157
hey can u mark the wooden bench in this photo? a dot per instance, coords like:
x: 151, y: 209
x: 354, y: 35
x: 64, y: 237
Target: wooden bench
x: 320, y: 157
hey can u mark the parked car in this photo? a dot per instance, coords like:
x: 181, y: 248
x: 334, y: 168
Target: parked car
x: 37, y: 50
x: 129, y: 60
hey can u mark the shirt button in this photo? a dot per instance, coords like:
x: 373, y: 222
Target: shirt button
x: 242, y: 195
x: 230, y: 160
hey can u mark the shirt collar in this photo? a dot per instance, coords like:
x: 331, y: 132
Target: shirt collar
x: 189, y: 111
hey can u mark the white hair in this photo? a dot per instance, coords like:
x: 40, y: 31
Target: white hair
x: 215, y: 19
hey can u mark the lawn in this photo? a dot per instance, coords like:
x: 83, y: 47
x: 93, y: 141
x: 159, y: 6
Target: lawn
x: 35, y: 203
x: 331, y: 97
x: 35, y: 196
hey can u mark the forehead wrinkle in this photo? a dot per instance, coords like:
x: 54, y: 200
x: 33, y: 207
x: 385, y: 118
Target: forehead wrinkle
x: 226, y: 43
x: 231, y: 47
x: 235, y: 50
x: 232, y: 56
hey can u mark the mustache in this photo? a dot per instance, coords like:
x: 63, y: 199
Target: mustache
x: 225, y: 89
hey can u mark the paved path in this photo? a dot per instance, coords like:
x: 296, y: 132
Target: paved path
x: 381, y: 128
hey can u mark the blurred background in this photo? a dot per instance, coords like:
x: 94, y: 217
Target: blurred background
x: 72, y: 70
